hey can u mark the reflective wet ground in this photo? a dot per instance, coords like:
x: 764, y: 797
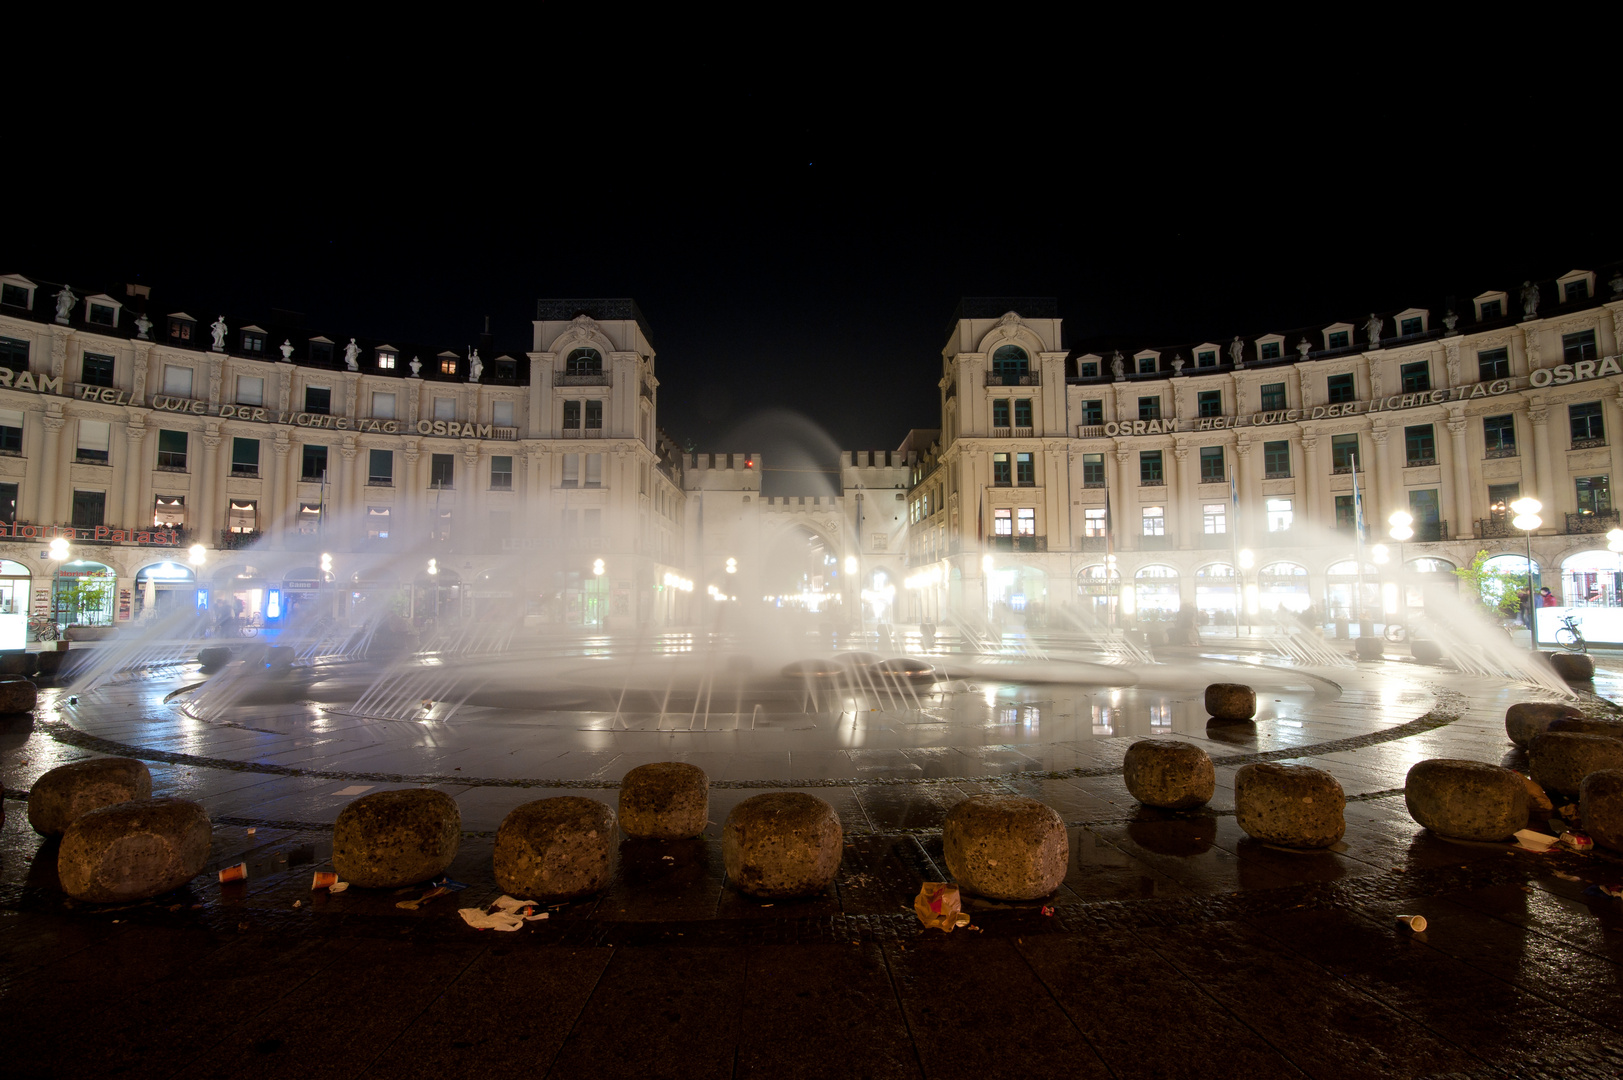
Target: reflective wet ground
x: 1177, y: 946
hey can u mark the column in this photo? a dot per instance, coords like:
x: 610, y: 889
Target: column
x: 1181, y: 501
x: 351, y: 501
x: 470, y: 506
x: 50, y: 471
x: 1464, y: 522
x: 1546, y: 493
x: 1249, y: 493
x: 204, y: 520
x: 1124, y: 504
x: 279, y: 515
x: 1309, y: 511
x: 1376, y: 496
x: 410, y: 500
x: 135, y: 467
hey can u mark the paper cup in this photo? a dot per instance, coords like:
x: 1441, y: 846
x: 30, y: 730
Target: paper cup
x: 238, y: 872
x: 1417, y: 923
x: 324, y: 879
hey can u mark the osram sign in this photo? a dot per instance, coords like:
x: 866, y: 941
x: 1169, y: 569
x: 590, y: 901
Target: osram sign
x: 1562, y: 374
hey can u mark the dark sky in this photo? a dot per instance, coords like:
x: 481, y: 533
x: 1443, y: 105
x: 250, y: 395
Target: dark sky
x: 798, y: 254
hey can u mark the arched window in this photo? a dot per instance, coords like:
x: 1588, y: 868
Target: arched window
x: 1283, y: 585
x: 1156, y: 592
x: 584, y: 362
x: 1010, y: 362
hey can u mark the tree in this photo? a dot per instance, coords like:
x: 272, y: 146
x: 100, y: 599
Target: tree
x: 1495, y: 590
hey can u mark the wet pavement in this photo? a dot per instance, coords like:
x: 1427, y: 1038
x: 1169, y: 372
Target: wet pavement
x: 1177, y: 946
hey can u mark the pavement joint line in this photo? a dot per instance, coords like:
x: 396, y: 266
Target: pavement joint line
x: 1448, y: 707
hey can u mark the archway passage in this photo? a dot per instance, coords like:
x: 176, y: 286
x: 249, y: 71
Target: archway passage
x: 801, y: 571
x: 164, y: 588
x: 16, y: 580
x: 82, y: 594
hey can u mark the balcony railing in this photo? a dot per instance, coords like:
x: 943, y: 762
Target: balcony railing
x: 250, y: 472
x: 1419, y: 462
x: 1592, y: 522
x: 1093, y: 483
x: 1090, y: 431
x: 233, y: 541
x: 1001, y: 432
x: 1501, y: 452
x: 1588, y: 444
x: 1031, y: 378
x: 1344, y: 470
x: 1154, y: 481
x: 1017, y: 543
x: 602, y: 378
x: 1216, y: 540
x: 1494, y: 528
x: 1023, y: 432
x: 1277, y: 475
x: 1155, y: 543
x: 1426, y: 532
x: 1092, y: 543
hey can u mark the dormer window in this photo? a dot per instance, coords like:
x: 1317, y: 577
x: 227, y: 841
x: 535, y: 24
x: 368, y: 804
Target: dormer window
x: 320, y: 350
x: 253, y: 339
x: 1206, y: 358
x: 1270, y: 347
x: 506, y: 370
x: 1576, y: 286
x: 1087, y: 366
x: 1413, y: 321
x: 180, y: 328
x: 1146, y: 363
x: 1338, y: 336
x: 17, y: 291
x: 386, y: 359
x: 448, y: 365
x: 1490, y: 305
x: 102, y: 311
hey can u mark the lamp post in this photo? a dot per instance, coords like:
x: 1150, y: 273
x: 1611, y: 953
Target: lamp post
x: 1246, y: 561
x: 59, y: 555
x: 1527, y: 520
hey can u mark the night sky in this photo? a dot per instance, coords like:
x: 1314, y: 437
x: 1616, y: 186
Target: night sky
x: 799, y: 256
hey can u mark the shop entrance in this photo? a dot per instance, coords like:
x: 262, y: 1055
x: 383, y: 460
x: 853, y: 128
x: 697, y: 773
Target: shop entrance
x: 15, y: 583
x: 82, y: 594
x: 163, y: 589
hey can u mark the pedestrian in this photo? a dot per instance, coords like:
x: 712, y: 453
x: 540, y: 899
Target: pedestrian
x: 1524, y: 606
x: 1546, y: 598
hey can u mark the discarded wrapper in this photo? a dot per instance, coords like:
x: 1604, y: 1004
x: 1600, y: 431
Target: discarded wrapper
x: 939, y: 905
x: 1577, y: 841
x: 1417, y: 923
x: 338, y: 887
x: 413, y: 905
x: 1047, y: 910
x: 505, y: 914
x: 1534, y: 841
x: 324, y: 879
x: 238, y: 872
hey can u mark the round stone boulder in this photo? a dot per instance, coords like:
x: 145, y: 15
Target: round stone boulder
x: 1525, y: 719
x: 1231, y: 701
x: 68, y: 792
x: 1369, y: 648
x: 18, y: 662
x: 1425, y: 651
x: 214, y: 657
x: 1466, y: 800
x: 1561, y: 759
x: 396, y: 838
x: 782, y: 844
x: 1006, y: 847
x: 1588, y: 725
x: 1574, y: 667
x: 555, y: 849
x: 1600, y: 804
x: 1291, y: 805
x: 133, y: 850
x: 666, y: 800
x: 17, y: 694
x: 1169, y: 774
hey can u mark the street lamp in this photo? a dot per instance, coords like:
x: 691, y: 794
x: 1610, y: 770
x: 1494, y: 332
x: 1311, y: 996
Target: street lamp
x: 1527, y: 520
x: 197, y: 554
x: 1247, y: 560
x: 1401, y: 529
x: 732, y: 566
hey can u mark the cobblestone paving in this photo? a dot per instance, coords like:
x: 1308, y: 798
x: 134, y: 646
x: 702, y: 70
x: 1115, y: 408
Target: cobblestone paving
x: 1177, y: 946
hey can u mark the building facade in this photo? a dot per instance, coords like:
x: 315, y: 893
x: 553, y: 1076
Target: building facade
x: 1136, y: 480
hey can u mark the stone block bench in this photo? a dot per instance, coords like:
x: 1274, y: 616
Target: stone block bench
x: 1600, y: 805
x: 1561, y: 759
x: 396, y: 838
x: 555, y: 849
x: 1291, y: 805
x: 1168, y: 774
x: 1466, y: 800
x: 1573, y: 667
x: 133, y: 850
x: 1526, y: 719
x: 68, y: 792
x: 17, y: 694
x: 1231, y: 701
x: 782, y: 844
x: 665, y: 800
x: 1006, y: 847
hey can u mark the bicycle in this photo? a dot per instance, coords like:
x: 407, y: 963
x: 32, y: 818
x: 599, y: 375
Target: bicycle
x: 1395, y: 632
x: 1570, y: 637
x: 42, y: 628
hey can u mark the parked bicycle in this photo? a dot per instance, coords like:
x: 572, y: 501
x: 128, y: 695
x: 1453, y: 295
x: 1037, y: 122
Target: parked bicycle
x: 43, y: 628
x: 1570, y: 637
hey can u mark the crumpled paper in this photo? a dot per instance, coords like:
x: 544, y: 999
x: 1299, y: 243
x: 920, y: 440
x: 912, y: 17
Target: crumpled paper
x: 507, y: 914
x: 937, y: 905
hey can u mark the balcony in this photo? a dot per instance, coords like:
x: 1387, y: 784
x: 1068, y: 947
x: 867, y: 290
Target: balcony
x: 1588, y: 444
x: 234, y: 541
x: 1277, y: 474
x: 250, y: 472
x: 600, y: 378
x: 1216, y: 540
x: 90, y: 458
x: 1582, y: 523
x: 1030, y: 378
x: 380, y: 481
x: 1344, y: 470
x: 1500, y: 452
x: 1024, y: 432
x: 1093, y: 483
x: 583, y: 433
x: 1001, y: 432
x: 1153, y: 481
x: 1090, y: 431
x: 1092, y: 543
x: 1155, y: 543
x: 1426, y: 532
x: 1419, y: 462
x: 647, y: 391
x: 1017, y: 543
x: 1495, y: 528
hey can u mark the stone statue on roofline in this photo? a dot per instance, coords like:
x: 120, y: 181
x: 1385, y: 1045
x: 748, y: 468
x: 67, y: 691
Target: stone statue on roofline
x: 1177, y: 365
x: 1450, y: 320
x: 1529, y: 300
x: 287, y: 349
x: 352, y: 353
x: 1117, y: 366
x: 1237, y: 352
x: 218, y: 330
x: 64, y: 303
x: 142, y: 326
x: 416, y: 366
x: 1372, y: 330
x: 475, y: 366
x: 1303, y: 347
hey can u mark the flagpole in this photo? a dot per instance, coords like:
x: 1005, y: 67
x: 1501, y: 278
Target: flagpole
x: 1358, y: 527
x: 1234, y: 553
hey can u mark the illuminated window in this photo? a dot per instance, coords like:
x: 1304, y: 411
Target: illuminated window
x: 1003, y: 522
x: 1214, y: 518
x: 243, y: 516
x: 1279, y: 515
x: 1026, y: 521
x: 448, y: 365
x: 1155, y: 521
x: 1094, y: 522
x: 386, y: 360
